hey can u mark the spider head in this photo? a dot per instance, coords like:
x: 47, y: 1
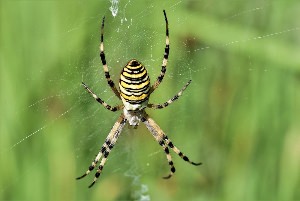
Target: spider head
x: 134, y: 63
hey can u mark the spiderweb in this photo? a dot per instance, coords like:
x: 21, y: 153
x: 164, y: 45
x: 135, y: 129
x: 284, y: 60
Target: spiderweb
x: 90, y: 123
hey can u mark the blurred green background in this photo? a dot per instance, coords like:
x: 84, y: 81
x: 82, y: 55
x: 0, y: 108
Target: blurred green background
x: 239, y: 117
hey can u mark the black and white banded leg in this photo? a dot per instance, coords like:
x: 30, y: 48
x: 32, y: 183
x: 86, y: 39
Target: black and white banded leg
x: 154, y: 130
x: 160, y: 106
x: 99, y: 100
x: 169, y: 158
x: 165, y: 59
x: 177, y: 151
x: 105, y: 68
x: 163, y: 140
x: 109, y: 143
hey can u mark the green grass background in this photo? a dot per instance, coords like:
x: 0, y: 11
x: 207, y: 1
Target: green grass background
x: 240, y: 116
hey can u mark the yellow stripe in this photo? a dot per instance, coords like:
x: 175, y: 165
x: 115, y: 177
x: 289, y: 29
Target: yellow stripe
x: 134, y: 70
x: 134, y: 75
x: 134, y: 98
x: 138, y: 93
x: 133, y: 67
x: 124, y: 79
x: 134, y: 86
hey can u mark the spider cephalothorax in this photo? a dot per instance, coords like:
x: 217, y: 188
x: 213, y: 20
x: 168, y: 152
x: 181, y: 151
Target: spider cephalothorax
x: 134, y: 91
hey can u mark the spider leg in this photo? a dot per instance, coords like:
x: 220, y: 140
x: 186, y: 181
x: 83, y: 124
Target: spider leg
x: 113, y: 109
x: 169, y: 158
x: 107, y: 146
x: 105, y: 68
x: 160, y: 106
x: 165, y: 59
x: 163, y: 140
x: 177, y: 151
x: 155, y: 132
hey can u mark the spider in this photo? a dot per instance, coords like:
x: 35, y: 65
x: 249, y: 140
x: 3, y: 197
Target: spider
x: 134, y: 92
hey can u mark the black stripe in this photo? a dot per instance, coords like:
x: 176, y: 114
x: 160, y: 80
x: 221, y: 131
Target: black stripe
x: 143, y: 89
x: 105, y: 154
x: 163, y: 69
x: 134, y: 63
x: 99, y: 100
x: 132, y: 94
x: 135, y: 78
x: 173, y: 169
x: 140, y: 69
x: 135, y: 84
x: 136, y: 81
x: 136, y: 94
x: 134, y: 72
x: 136, y: 101
x: 102, y: 56
x: 167, y: 50
x: 185, y: 158
x: 111, y: 83
x: 170, y: 144
x: 107, y: 75
x: 175, y: 98
x: 160, y: 78
x: 166, y: 55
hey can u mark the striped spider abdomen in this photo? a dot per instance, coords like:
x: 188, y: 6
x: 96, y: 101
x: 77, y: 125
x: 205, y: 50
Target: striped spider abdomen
x: 134, y: 86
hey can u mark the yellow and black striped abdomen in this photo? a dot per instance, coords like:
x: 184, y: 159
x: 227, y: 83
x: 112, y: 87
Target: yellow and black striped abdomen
x: 134, y: 83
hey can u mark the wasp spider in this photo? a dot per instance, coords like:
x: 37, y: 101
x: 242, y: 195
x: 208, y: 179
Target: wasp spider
x: 134, y: 91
